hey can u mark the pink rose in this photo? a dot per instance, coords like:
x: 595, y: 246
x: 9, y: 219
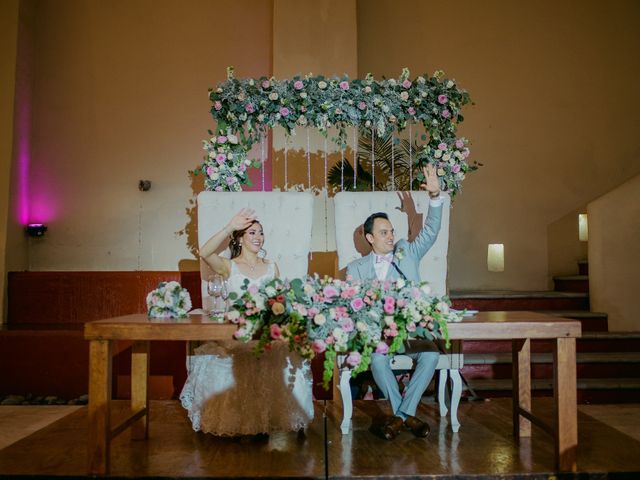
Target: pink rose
x: 353, y: 359
x: 253, y: 289
x: 344, y: 85
x: 210, y: 170
x: 318, y: 346
x: 357, y: 304
x: 406, y: 83
x: 411, y: 110
x: 329, y: 292
x: 347, y: 325
x: 275, y: 331
x: 329, y: 340
x: 237, y: 334
x: 446, y: 114
x: 231, y: 180
x: 348, y: 292
x: 312, y: 312
x: 455, y: 168
x: 265, y: 84
x: 220, y: 158
x: 382, y: 348
x: 388, y: 308
x: 249, y: 108
x: 389, y: 332
x: 362, y: 105
x: 459, y: 144
x: 284, y: 111
x: 298, y: 85
x: 242, y: 167
x: 390, y: 300
x: 442, y: 146
x: 401, y: 302
x: 222, y: 139
x: 442, y: 99
x: 411, y: 327
x: 218, y: 189
x: 217, y: 105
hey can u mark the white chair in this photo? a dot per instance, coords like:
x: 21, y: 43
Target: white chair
x: 351, y: 209
x: 286, y: 218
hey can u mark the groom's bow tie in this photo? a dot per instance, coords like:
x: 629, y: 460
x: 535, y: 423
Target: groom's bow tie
x: 384, y: 258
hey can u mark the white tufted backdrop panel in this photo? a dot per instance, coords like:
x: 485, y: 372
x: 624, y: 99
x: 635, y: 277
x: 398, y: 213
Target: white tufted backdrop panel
x: 351, y: 210
x: 286, y: 218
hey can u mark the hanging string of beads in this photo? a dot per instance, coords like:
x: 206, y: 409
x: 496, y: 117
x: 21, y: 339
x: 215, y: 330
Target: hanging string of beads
x: 308, y: 159
x: 373, y: 162
x: 393, y: 162
x: 355, y: 158
x: 410, y: 158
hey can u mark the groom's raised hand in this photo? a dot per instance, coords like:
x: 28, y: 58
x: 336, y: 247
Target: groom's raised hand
x: 431, y: 183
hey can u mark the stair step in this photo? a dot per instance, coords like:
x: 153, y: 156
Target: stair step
x: 590, y: 321
x: 487, y: 300
x: 504, y: 384
x: 587, y: 357
x: 572, y: 283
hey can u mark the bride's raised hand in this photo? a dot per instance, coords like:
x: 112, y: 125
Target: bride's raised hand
x: 241, y: 220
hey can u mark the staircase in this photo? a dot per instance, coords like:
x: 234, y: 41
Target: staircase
x: 608, y: 363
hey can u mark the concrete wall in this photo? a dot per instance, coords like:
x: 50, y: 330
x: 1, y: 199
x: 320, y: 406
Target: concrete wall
x: 554, y: 84
x: 119, y: 94
x: 614, y: 255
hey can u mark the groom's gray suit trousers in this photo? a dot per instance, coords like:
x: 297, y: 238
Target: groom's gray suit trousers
x: 425, y: 367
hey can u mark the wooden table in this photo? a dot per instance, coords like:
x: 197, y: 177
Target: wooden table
x: 140, y: 329
x: 519, y: 327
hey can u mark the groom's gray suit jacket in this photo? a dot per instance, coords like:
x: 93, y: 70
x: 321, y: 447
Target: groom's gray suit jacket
x: 411, y: 253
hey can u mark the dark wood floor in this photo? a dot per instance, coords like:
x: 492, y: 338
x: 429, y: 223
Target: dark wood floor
x: 483, y: 448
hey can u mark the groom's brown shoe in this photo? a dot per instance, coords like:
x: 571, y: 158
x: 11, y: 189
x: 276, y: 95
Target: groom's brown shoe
x: 392, y: 427
x: 418, y: 427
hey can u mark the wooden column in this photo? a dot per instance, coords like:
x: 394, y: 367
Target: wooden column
x: 99, y: 438
x: 139, y: 388
x: 521, y: 351
x: 565, y: 394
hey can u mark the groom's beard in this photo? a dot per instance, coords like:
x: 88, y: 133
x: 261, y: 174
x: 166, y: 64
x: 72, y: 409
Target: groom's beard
x: 393, y: 264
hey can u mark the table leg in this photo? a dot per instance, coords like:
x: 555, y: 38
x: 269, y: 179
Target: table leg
x: 521, y: 351
x: 99, y: 438
x: 139, y: 388
x: 565, y: 395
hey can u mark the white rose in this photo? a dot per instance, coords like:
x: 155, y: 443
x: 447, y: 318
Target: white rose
x: 332, y: 313
x: 388, y: 319
x: 303, y: 95
x: 273, y: 96
x: 362, y: 327
x: 450, y: 84
x: 308, y: 289
x: 322, y: 84
x: 261, y: 118
x: 423, y: 94
x: 367, y: 89
x: 215, y: 176
x: 446, y: 157
x: 404, y: 96
x: 259, y: 301
x: 270, y: 291
x: 400, y: 283
x: 230, y: 156
x: 443, y: 307
x: 233, y: 315
x: 426, y: 289
x: 438, y: 154
x: 420, y: 80
x: 319, y: 319
x: 232, y: 139
x: 385, y: 108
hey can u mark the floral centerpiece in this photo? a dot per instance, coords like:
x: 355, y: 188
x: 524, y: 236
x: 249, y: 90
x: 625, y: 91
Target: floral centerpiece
x: 168, y: 300
x: 248, y: 107
x: 323, y: 315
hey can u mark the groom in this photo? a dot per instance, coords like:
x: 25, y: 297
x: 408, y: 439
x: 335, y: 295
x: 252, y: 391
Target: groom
x: 389, y: 261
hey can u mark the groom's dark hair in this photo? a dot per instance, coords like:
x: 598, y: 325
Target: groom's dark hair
x: 368, y: 223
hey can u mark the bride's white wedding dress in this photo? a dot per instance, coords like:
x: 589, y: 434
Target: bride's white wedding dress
x: 231, y: 391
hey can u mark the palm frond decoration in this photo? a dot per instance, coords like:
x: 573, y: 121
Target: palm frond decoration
x: 392, y: 163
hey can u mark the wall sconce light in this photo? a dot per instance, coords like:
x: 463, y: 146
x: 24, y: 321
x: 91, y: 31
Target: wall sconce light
x: 495, y: 257
x: 583, y: 227
x: 35, y: 229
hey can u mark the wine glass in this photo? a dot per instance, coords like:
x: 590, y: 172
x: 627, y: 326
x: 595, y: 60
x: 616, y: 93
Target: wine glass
x: 216, y: 288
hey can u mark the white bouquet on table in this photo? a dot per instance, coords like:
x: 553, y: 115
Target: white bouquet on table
x: 168, y: 300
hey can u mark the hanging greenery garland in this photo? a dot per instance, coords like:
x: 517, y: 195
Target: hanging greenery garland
x: 246, y: 108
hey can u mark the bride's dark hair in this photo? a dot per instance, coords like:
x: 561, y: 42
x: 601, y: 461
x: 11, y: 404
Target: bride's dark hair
x: 234, y: 244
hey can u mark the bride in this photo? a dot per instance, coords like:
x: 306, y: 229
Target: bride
x: 230, y: 391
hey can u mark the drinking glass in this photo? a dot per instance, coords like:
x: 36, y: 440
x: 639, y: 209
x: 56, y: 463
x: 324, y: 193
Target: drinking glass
x: 217, y: 289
